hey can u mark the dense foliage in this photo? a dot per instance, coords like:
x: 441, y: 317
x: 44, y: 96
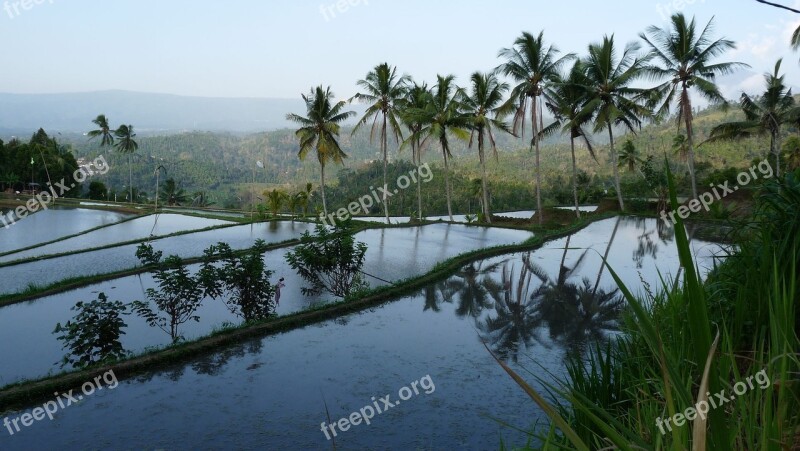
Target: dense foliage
x: 93, y: 335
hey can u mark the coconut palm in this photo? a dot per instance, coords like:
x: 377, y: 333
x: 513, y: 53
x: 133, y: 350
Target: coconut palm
x: 532, y: 65
x: 483, y: 106
x: 127, y: 145
x: 275, y: 199
x: 680, y: 147
x: 443, y: 115
x: 629, y: 156
x: 566, y: 100
x: 417, y: 98
x: 683, y: 56
x: 303, y: 198
x: 103, y: 131
x: 764, y: 115
x: 384, y: 90
x: 172, y: 194
x: 319, y: 130
x: 612, y: 98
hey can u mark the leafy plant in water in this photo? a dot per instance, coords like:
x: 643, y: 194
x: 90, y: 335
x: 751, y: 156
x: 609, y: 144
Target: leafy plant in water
x: 330, y: 260
x: 93, y: 335
x: 178, y: 296
x: 242, y: 280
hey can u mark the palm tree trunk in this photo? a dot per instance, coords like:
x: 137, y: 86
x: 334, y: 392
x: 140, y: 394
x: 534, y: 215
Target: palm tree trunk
x: 417, y: 151
x: 575, y: 178
x: 486, y: 213
x: 535, y: 127
x: 322, y: 189
x: 385, y: 168
x: 616, y: 167
x: 774, y: 144
x: 447, y: 182
x: 687, y: 117
x: 130, y: 178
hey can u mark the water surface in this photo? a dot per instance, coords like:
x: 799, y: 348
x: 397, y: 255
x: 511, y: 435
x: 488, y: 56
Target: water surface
x: 271, y: 393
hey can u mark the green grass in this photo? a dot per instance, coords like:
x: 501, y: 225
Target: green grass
x: 692, y: 338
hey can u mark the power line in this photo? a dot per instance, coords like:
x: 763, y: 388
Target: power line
x: 779, y: 6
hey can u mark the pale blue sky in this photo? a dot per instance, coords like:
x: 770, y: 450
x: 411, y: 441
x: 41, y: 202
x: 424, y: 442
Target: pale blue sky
x: 279, y: 48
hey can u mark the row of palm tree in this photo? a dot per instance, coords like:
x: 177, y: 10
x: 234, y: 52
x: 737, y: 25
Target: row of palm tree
x: 597, y: 93
x: 121, y: 139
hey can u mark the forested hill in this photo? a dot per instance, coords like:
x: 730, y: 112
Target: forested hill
x: 224, y: 164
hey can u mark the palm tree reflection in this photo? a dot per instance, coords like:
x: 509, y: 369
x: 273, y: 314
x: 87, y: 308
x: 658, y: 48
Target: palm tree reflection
x: 574, y: 313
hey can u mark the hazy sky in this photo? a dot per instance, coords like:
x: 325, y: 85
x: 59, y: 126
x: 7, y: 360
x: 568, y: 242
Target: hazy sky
x: 279, y: 48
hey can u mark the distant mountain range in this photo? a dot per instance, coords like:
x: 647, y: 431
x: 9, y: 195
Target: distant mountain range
x: 149, y: 113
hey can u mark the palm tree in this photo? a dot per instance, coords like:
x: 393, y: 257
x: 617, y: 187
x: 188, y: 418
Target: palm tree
x: 319, y: 130
x: 172, y: 194
x: 417, y: 98
x: 684, y: 58
x: 442, y: 115
x: 275, y: 198
x: 765, y: 114
x: 103, y: 130
x: 612, y: 99
x: 566, y: 101
x: 629, y: 156
x: 127, y: 145
x: 384, y: 91
x: 303, y: 198
x: 483, y: 106
x: 680, y: 147
x: 532, y: 65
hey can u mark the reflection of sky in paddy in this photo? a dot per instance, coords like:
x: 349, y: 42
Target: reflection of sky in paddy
x: 53, y: 223
x: 136, y: 229
x: 392, y: 254
x: 279, y: 385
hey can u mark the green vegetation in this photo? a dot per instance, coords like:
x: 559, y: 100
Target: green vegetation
x: 179, y: 293
x: 636, y: 392
x: 330, y: 261
x: 22, y: 393
x: 93, y: 336
x: 42, y: 159
x: 320, y: 130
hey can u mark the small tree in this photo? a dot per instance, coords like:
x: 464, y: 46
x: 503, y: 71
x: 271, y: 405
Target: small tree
x: 93, y: 335
x: 330, y: 260
x: 179, y: 294
x: 244, y: 280
x: 97, y: 191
